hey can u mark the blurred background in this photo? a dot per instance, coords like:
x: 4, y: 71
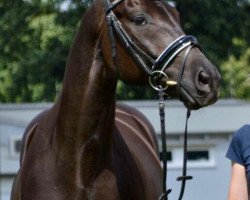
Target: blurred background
x: 35, y: 39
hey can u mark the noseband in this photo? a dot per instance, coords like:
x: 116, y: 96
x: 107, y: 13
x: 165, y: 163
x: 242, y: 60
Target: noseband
x: 155, y: 69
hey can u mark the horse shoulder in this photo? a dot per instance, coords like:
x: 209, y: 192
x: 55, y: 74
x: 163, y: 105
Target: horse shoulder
x: 29, y: 133
x: 124, y: 112
x: 140, y: 139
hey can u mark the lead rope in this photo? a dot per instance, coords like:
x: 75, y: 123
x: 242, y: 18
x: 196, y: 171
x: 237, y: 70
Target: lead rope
x: 184, y: 177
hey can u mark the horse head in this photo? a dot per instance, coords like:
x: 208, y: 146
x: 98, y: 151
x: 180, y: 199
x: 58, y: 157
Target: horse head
x: 148, y: 41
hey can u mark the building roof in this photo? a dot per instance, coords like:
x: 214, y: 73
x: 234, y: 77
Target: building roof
x: 20, y: 114
x: 225, y: 116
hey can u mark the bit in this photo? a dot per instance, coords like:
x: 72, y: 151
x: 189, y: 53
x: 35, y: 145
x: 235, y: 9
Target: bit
x: 171, y: 83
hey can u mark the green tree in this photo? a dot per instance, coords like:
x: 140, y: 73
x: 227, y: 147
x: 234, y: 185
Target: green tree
x: 236, y: 73
x: 216, y: 24
x: 35, y: 40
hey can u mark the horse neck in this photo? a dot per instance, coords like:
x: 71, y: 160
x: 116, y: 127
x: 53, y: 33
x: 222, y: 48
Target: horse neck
x: 87, y: 101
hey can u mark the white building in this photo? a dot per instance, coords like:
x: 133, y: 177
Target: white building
x: 210, y: 130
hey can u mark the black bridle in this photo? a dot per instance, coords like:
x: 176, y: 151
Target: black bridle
x: 155, y: 69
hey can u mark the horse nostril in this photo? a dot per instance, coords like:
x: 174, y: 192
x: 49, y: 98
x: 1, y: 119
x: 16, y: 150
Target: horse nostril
x: 204, y: 78
x: 203, y: 83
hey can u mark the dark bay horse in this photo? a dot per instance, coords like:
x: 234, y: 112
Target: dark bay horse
x: 86, y: 146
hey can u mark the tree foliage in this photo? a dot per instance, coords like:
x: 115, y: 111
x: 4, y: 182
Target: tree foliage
x: 35, y: 39
x: 215, y: 23
x: 236, y: 73
x: 36, y: 36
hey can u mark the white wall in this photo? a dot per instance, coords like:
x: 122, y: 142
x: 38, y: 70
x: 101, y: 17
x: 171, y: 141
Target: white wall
x: 209, y: 182
x: 9, y: 163
x: 6, y: 184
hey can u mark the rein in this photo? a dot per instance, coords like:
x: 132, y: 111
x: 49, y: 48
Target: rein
x: 156, y: 73
x: 183, y: 178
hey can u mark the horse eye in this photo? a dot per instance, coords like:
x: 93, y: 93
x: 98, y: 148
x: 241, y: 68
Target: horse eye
x: 139, y: 20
